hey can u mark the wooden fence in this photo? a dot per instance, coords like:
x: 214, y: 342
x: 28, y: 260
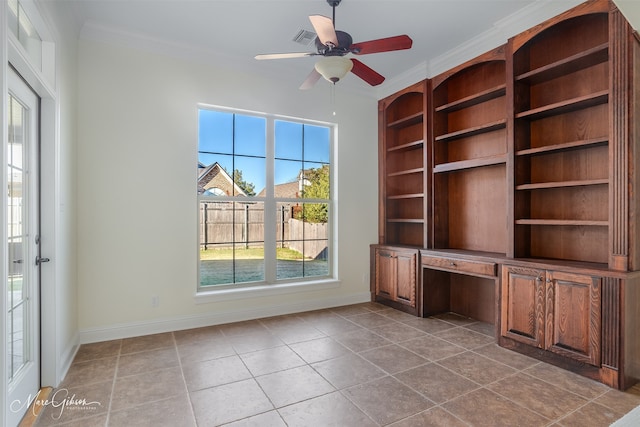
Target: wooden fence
x: 221, y: 225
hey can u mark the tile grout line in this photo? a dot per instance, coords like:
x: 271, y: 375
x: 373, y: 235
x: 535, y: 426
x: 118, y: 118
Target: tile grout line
x: 184, y: 380
x: 113, y: 385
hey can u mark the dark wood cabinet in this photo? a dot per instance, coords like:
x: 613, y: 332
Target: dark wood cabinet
x: 560, y: 75
x: 515, y: 176
x: 469, y: 151
x: 403, y: 198
x: 395, y: 278
x: 403, y: 202
x: 553, y: 310
x: 523, y: 305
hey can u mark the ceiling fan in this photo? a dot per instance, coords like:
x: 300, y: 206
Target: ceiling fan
x: 333, y: 45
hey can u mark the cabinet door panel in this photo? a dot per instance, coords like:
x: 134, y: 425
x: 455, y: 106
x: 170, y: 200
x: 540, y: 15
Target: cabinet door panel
x: 385, y: 274
x: 523, y: 305
x: 406, y: 278
x: 573, y: 316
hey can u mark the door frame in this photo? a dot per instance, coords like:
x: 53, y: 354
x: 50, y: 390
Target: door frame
x: 53, y: 365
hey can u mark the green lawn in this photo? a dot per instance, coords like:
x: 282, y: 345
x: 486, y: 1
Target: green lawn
x: 252, y: 253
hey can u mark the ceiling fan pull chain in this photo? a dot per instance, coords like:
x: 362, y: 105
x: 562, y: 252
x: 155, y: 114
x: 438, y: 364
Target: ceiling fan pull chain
x: 333, y: 98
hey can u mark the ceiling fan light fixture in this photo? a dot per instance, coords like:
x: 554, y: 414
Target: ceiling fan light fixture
x: 334, y: 68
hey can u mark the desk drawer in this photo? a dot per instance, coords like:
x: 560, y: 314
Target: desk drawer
x: 463, y: 266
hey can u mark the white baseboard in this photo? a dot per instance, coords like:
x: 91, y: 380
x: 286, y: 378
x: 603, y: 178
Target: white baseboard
x: 134, y: 329
x: 67, y: 359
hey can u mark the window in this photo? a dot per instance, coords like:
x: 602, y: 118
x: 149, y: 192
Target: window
x: 264, y: 198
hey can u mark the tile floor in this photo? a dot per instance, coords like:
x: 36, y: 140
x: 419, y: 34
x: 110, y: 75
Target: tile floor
x: 359, y: 365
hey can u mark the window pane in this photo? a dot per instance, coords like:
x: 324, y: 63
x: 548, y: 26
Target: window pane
x: 214, y: 178
x: 316, y: 143
x: 249, y: 175
x: 231, y: 243
x: 316, y: 181
x: 249, y: 264
x: 215, y: 132
x: 216, y: 265
x: 250, y: 136
x: 302, y: 245
x: 318, y: 266
x: 249, y: 242
x: 312, y: 214
x: 288, y: 140
x: 12, y: 17
x: 216, y: 224
x: 249, y: 225
x: 287, y: 173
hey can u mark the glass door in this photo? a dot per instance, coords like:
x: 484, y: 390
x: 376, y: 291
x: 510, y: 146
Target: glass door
x: 22, y: 281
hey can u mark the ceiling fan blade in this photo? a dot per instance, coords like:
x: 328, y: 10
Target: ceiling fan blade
x: 284, y: 55
x: 382, y: 45
x: 324, y: 29
x: 311, y: 80
x: 365, y: 73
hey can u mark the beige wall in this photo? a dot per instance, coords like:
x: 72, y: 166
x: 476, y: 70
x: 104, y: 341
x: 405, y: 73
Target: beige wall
x: 137, y: 116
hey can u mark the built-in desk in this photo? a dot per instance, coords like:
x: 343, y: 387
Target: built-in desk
x: 461, y: 282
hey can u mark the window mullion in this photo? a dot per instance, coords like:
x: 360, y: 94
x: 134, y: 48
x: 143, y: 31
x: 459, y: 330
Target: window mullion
x: 270, y: 207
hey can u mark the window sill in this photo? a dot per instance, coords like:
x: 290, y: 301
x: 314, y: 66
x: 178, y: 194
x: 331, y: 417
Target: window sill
x: 227, y: 294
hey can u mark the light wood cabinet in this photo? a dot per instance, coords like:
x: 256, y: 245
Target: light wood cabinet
x: 553, y: 310
x: 395, y: 278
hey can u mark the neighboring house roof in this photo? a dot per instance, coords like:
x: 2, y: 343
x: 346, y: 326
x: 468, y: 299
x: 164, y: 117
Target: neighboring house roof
x: 214, y: 176
x: 288, y: 190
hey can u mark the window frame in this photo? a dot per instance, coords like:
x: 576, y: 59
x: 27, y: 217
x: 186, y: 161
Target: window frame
x: 271, y: 285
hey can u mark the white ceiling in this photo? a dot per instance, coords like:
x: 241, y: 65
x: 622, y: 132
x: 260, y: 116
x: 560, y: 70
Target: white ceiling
x: 237, y: 30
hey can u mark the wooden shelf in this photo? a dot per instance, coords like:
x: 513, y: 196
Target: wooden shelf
x: 414, y: 145
x: 561, y: 184
x: 407, y: 121
x: 571, y: 64
x: 406, y: 172
x: 472, y: 163
x: 406, y: 196
x: 406, y: 220
x: 563, y: 147
x: 476, y: 130
x: 562, y: 222
x: 566, y: 106
x: 475, y: 99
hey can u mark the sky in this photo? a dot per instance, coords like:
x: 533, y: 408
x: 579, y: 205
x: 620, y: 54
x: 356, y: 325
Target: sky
x: 297, y: 146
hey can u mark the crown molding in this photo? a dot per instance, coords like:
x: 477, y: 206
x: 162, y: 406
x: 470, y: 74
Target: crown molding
x: 407, y: 78
x: 498, y: 34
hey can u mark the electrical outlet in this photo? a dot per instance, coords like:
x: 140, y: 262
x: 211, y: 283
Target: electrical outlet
x: 155, y: 301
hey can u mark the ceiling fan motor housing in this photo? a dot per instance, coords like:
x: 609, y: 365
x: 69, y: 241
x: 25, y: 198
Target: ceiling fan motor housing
x: 344, y: 44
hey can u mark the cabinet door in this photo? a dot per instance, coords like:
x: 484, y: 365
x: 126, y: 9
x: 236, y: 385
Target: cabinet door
x: 385, y: 274
x: 406, y: 278
x: 573, y: 316
x: 523, y: 305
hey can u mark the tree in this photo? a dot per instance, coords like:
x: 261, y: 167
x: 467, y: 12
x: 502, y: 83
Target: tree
x: 247, y: 187
x: 318, y: 188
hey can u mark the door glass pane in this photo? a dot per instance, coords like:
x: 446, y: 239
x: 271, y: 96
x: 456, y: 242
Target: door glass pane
x: 17, y: 316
